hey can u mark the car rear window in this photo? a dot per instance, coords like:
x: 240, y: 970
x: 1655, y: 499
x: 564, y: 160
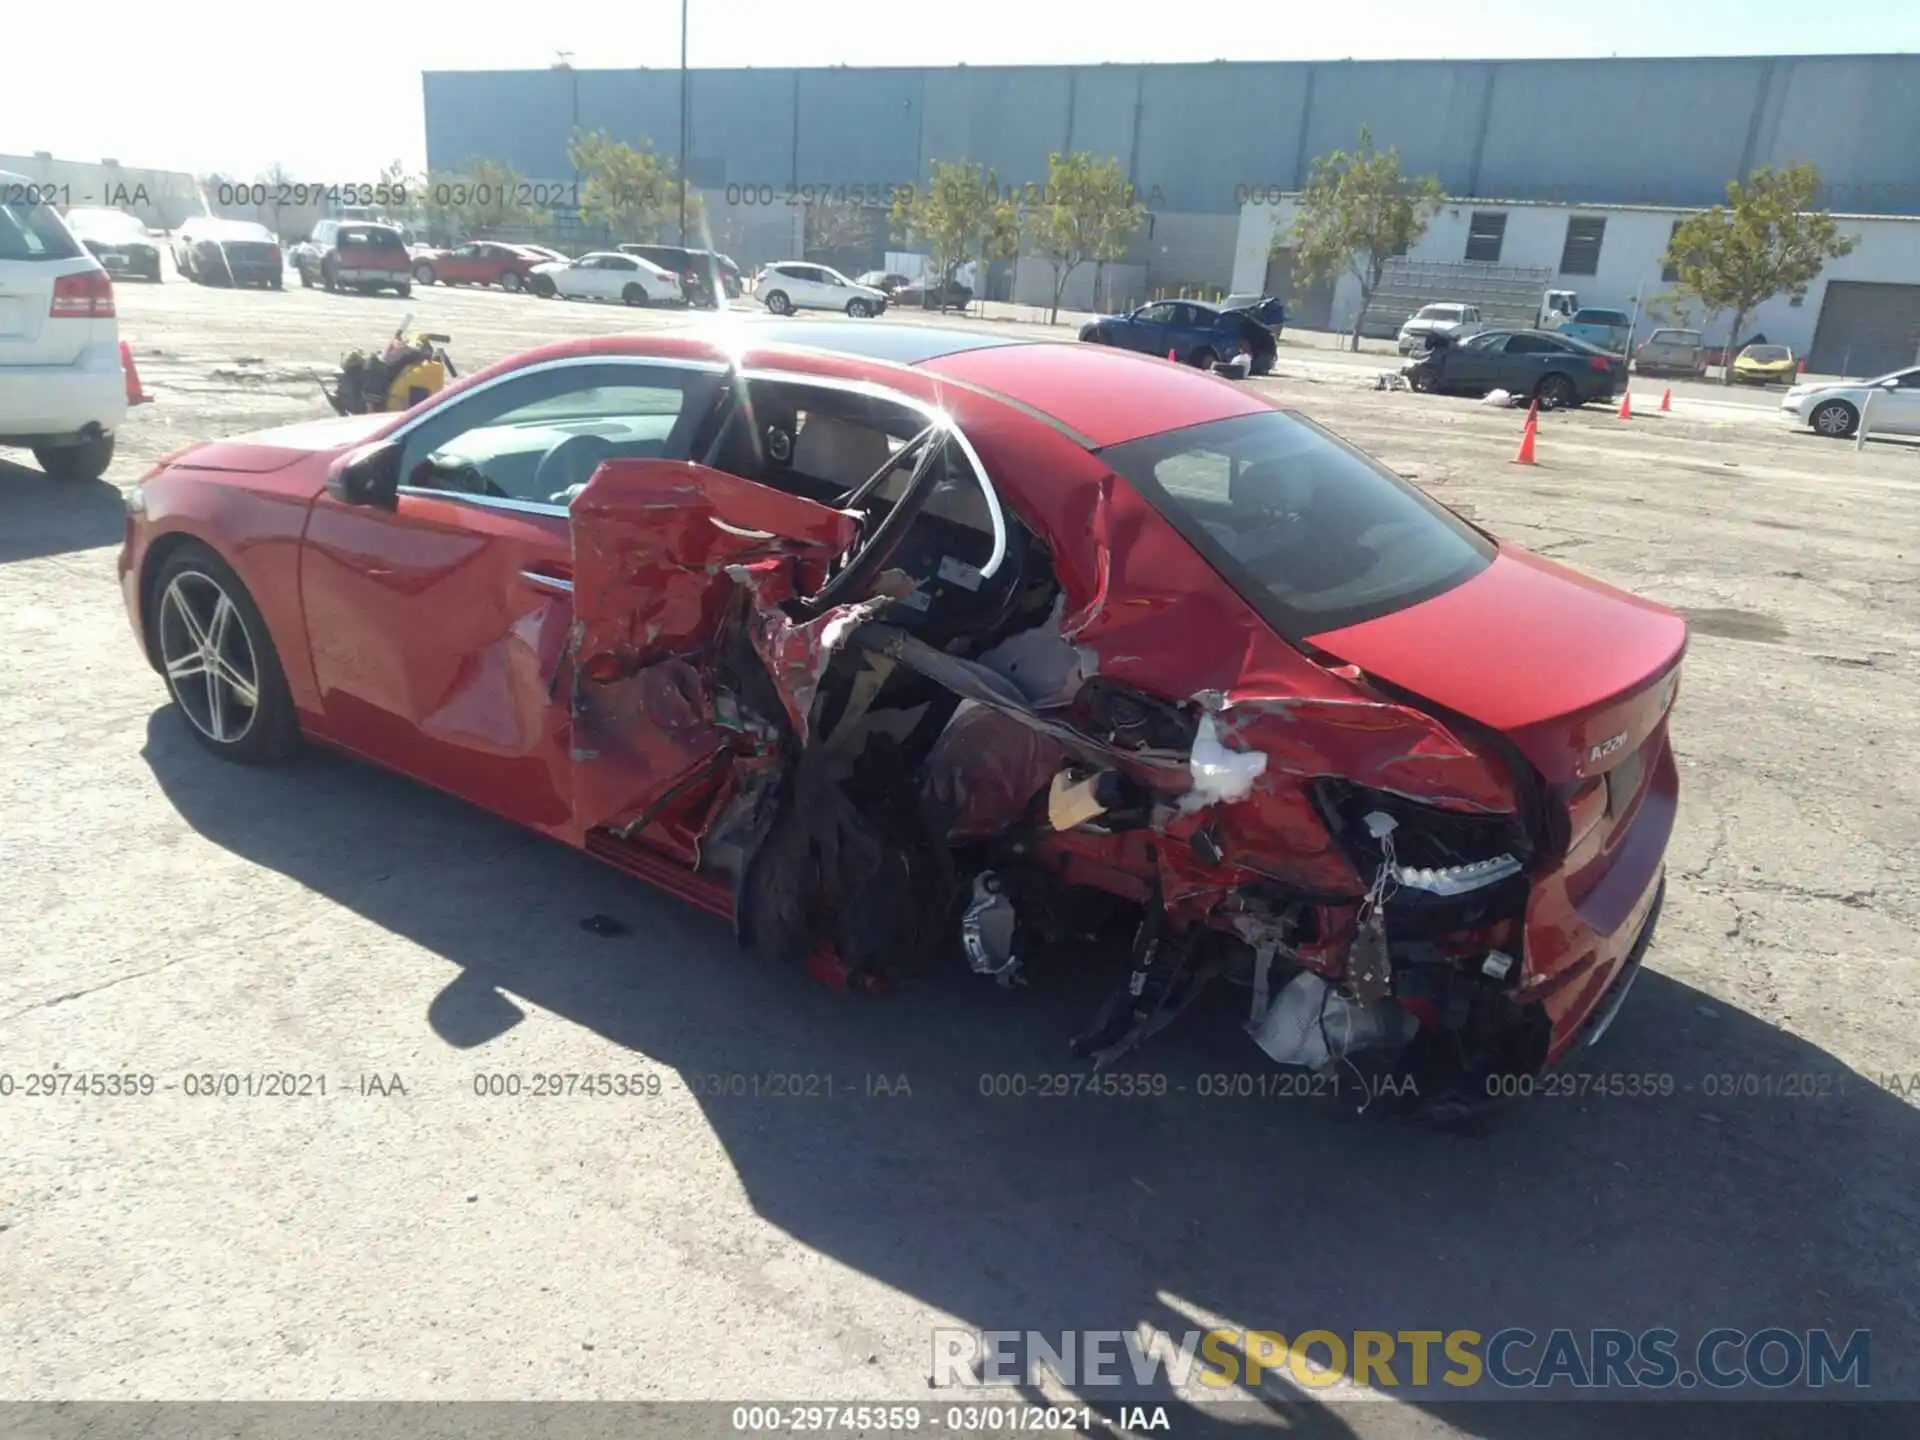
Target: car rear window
x: 373, y: 237
x: 1768, y: 354
x: 1312, y: 533
x: 32, y: 231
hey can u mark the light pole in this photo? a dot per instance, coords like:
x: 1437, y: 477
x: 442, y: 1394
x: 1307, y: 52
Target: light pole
x: 683, y: 122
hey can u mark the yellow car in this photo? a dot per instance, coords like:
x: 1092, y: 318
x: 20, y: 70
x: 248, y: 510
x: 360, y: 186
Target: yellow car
x: 1766, y: 365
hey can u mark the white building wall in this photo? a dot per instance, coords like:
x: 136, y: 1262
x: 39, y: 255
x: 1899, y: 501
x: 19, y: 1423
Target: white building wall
x: 1630, y: 259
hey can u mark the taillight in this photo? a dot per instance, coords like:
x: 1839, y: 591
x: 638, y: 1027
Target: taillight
x: 86, y: 296
x: 1599, y: 363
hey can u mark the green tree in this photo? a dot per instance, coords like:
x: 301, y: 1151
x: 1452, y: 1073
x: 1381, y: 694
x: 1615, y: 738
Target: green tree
x: 1767, y: 240
x: 837, y: 225
x: 634, y: 193
x: 482, y: 196
x: 960, y: 216
x: 1089, y: 210
x: 1357, y: 212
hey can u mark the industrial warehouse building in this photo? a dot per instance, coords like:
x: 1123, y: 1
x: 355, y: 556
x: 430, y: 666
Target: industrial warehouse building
x: 1630, y: 140
x: 1862, y: 316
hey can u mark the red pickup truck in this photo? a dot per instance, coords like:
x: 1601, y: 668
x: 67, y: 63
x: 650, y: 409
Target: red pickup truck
x: 355, y: 255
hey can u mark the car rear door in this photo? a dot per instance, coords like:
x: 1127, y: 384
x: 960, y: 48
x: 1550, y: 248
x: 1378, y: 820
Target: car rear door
x: 40, y: 258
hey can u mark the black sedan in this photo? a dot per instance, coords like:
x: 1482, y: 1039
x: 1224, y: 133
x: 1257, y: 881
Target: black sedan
x: 1190, y: 331
x: 1556, y: 370
x: 119, y: 241
x: 931, y: 295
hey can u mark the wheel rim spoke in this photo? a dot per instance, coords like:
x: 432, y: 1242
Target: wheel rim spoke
x: 216, y: 721
x: 207, y: 656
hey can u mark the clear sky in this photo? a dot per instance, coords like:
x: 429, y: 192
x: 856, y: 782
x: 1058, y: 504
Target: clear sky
x: 238, y: 87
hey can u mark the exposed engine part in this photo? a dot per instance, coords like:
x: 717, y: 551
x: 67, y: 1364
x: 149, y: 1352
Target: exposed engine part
x: 1164, y: 981
x: 1078, y: 796
x: 987, y: 931
x: 1129, y: 720
x: 1369, y: 966
x: 1313, y: 1025
x: 1496, y: 965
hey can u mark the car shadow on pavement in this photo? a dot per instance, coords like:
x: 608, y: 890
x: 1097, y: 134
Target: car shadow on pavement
x: 39, y: 516
x: 1705, y: 1207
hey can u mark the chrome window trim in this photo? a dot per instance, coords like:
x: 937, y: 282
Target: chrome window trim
x: 539, y: 580
x: 933, y: 415
x: 873, y: 389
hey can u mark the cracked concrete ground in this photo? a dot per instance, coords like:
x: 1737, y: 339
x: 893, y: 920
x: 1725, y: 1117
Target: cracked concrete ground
x: 166, y: 916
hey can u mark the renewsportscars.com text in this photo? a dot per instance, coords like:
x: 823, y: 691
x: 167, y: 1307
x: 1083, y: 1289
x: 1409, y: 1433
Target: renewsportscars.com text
x: 1510, y: 1359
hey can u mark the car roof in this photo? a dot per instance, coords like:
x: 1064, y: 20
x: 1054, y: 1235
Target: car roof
x: 1100, y: 395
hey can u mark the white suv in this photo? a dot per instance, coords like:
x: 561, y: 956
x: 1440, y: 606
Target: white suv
x: 795, y: 285
x: 1456, y: 322
x: 62, y: 390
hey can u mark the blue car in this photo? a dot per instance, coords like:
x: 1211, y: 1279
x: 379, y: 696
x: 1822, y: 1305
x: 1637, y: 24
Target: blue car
x: 1192, y: 331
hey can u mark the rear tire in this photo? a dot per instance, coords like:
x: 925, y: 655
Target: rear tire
x: 510, y: 281
x: 403, y: 289
x: 196, y: 594
x: 86, y: 461
x: 633, y: 295
x: 424, y: 273
x: 1835, y: 419
x: 778, y: 302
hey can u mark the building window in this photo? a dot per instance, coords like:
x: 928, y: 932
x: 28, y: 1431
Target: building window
x: 1486, y: 232
x: 1581, y: 254
x: 1670, y: 272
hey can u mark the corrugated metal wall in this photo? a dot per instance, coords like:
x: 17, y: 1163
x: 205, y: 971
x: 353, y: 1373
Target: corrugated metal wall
x: 1196, y: 137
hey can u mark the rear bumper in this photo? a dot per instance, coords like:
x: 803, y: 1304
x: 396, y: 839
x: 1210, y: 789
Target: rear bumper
x: 364, y: 275
x: 48, y: 401
x: 1588, y: 929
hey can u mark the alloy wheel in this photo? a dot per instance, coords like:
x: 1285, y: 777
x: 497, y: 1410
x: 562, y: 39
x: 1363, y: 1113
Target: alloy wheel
x: 208, y: 658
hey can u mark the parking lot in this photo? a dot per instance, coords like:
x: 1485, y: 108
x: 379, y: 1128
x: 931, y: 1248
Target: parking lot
x: 406, y: 1235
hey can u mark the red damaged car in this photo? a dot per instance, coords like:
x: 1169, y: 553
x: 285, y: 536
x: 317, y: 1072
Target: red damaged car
x: 910, y: 646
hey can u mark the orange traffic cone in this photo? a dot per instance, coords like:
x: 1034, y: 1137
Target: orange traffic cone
x: 1525, y: 454
x: 136, y: 395
x: 1666, y: 400
x: 1626, y: 404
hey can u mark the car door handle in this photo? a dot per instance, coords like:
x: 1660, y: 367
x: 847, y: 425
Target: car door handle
x: 548, y: 581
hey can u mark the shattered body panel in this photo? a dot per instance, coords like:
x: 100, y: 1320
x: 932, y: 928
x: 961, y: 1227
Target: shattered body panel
x: 1432, y: 837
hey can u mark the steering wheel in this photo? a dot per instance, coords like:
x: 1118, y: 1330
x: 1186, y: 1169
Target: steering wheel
x: 862, y: 564
x: 568, y: 466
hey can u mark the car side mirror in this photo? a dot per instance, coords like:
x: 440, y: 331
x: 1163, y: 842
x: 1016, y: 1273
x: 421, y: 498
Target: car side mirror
x: 368, y: 476
x: 1890, y: 385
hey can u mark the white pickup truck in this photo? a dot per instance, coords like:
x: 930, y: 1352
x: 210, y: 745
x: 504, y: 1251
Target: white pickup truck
x: 1454, y: 321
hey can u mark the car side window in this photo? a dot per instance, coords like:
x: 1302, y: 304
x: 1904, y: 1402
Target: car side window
x: 1160, y: 314
x: 538, y: 438
x: 1531, y: 345
x: 1490, y: 342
